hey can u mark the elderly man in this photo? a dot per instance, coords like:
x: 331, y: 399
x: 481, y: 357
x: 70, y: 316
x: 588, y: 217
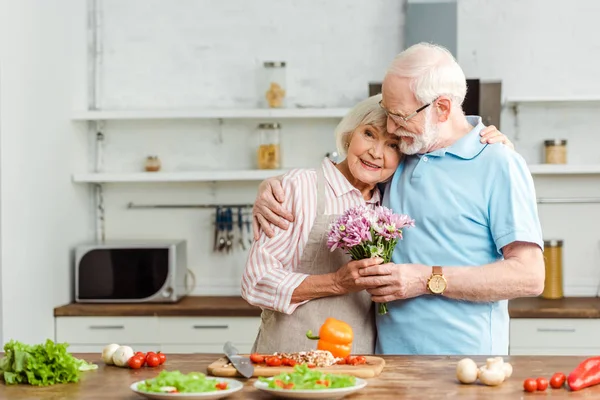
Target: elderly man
x: 477, y: 240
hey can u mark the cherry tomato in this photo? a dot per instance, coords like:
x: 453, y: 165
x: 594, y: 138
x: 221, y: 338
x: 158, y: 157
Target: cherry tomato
x: 324, y: 382
x: 139, y: 353
x: 278, y: 383
x: 162, y: 357
x: 221, y: 385
x: 288, y: 385
x: 558, y: 380
x: 152, y: 360
x: 257, y: 358
x: 135, y: 362
x: 530, y: 385
x: 542, y: 384
x: 273, y: 361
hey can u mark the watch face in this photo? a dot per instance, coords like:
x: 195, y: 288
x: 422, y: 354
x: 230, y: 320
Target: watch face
x: 437, y: 284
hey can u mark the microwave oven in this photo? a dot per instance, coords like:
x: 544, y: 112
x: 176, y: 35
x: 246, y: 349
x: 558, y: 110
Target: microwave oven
x: 130, y: 271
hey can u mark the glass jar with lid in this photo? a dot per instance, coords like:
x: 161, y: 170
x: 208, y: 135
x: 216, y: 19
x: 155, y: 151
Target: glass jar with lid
x: 268, y: 154
x: 273, y: 85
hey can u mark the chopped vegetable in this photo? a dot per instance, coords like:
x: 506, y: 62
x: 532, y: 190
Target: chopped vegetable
x: 41, y: 364
x: 335, y: 336
x: 304, y: 378
x: 194, y: 382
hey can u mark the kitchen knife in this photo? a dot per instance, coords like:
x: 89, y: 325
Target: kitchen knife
x: 242, y: 364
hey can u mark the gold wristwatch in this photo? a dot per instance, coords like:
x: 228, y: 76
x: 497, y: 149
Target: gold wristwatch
x: 436, y: 282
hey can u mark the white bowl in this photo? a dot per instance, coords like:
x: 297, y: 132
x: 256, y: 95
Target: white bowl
x: 233, y: 386
x: 322, y: 394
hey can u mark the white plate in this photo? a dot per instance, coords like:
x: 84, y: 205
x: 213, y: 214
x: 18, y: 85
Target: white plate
x: 234, y: 386
x: 311, y: 394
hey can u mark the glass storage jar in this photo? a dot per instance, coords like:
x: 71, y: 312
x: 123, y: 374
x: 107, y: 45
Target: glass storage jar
x: 556, y: 151
x: 273, y: 84
x: 553, y: 258
x: 268, y: 154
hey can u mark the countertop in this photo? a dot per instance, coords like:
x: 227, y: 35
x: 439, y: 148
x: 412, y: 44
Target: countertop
x: 415, y: 377
x: 235, y: 306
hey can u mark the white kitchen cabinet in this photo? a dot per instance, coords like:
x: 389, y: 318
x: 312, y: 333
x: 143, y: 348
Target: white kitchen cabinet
x: 554, y: 336
x: 167, y: 334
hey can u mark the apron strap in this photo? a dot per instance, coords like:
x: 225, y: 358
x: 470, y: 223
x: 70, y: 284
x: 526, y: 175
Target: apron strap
x: 320, y: 191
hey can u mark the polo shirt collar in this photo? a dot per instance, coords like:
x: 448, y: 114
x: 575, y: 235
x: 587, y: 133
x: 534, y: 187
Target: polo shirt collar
x: 469, y: 146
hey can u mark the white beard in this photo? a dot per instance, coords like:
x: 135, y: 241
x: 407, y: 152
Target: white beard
x: 421, y: 142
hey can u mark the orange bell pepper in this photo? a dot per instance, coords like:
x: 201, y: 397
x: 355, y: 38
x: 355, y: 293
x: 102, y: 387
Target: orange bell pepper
x: 335, y: 336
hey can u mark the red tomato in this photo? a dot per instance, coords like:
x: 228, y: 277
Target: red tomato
x: 278, y: 383
x: 221, y: 385
x: 361, y: 360
x: 311, y: 365
x: 558, y: 380
x: 152, y: 360
x: 162, y: 357
x: 542, y: 384
x: 135, y: 362
x: 288, y: 385
x: 324, y: 383
x: 273, y: 361
x: 139, y: 353
x: 257, y: 358
x: 530, y: 385
x: 150, y: 353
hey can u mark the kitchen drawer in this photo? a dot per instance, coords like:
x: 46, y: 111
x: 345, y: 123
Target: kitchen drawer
x: 553, y: 351
x: 208, y: 330
x: 554, y: 333
x: 97, y: 348
x: 214, y: 348
x: 105, y: 330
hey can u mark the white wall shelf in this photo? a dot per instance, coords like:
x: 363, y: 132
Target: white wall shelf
x: 232, y: 113
x: 544, y: 100
x: 187, y: 176
x: 564, y: 169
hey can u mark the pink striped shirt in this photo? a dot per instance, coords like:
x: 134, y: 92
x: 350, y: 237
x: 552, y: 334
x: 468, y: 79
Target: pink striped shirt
x: 271, y: 274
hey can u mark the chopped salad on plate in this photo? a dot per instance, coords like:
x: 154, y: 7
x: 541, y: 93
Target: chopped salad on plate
x: 305, y: 378
x: 177, y: 382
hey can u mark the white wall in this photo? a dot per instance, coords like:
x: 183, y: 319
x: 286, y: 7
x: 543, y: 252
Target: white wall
x: 42, y: 214
x: 194, y: 54
x: 546, y: 48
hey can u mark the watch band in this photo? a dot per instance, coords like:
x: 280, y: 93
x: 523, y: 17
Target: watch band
x: 436, y: 270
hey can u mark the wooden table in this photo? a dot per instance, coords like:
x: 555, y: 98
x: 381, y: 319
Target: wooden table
x: 416, y: 377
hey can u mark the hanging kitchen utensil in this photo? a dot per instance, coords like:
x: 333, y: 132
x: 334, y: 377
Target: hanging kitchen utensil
x: 229, y: 227
x: 240, y: 226
x: 217, y: 220
x: 222, y: 222
x: 248, y: 223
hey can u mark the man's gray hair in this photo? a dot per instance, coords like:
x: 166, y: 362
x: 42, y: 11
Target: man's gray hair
x: 433, y: 72
x: 366, y: 112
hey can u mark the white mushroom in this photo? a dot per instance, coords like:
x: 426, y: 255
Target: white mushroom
x: 491, y: 377
x: 107, y: 353
x: 122, y: 356
x: 466, y: 371
x: 508, y: 370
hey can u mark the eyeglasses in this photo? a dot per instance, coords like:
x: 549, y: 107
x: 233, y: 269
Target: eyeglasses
x: 399, y: 119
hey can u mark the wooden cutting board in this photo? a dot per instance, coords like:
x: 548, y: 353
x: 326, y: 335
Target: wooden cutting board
x: 372, y: 368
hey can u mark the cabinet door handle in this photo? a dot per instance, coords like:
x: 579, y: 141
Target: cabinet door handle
x: 107, y: 327
x: 556, y: 329
x: 211, y: 326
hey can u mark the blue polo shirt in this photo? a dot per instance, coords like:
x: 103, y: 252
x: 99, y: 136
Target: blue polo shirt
x: 468, y: 200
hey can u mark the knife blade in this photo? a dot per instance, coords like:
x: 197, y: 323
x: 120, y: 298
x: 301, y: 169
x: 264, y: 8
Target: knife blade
x: 242, y: 364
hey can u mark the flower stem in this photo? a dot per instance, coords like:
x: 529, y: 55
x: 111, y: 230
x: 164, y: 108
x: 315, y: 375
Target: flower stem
x: 383, y: 308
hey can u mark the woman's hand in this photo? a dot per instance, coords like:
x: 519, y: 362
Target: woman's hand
x: 268, y: 208
x: 491, y: 134
x: 345, y: 277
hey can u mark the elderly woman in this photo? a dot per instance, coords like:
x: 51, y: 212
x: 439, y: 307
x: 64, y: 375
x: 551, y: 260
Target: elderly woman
x: 290, y: 273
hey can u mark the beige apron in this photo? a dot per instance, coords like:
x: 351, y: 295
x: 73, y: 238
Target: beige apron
x: 280, y: 332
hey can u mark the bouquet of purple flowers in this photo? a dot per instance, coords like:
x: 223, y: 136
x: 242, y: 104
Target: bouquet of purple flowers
x: 364, y: 233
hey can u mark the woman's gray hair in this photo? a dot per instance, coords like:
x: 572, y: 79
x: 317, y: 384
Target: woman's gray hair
x: 366, y: 112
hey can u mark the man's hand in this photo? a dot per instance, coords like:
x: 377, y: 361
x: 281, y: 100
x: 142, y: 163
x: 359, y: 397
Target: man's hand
x: 268, y: 208
x: 346, y: 276
x: 394, y: 281
x: 491, y: 134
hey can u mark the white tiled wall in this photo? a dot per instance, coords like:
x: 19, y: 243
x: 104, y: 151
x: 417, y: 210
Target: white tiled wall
x: 206, y: 54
